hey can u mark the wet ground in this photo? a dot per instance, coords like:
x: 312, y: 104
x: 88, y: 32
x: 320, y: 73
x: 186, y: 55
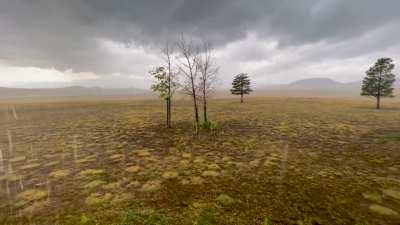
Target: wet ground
x: 272, y: 161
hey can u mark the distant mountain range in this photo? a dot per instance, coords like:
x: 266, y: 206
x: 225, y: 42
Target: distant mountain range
x: 307, y: 87
x: 316, y: 87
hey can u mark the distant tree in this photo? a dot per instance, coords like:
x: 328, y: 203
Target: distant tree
x: 164, y: 85
x: 188, y: 67
x: 208, y: 75
x: 241, y: 86
x: 379, y: 80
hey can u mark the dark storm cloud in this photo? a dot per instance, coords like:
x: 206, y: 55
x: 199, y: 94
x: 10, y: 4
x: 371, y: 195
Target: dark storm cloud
x: 66, y: 34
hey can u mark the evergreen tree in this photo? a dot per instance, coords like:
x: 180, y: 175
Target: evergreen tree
x: 379, y: 80
x: 241, y: 86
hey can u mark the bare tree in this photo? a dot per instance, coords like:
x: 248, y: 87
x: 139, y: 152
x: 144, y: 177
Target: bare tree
x: 208, y: 75
x: 188, y: 67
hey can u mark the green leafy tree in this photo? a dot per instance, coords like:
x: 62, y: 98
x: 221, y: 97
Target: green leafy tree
x: 171, y: 78
x: 379, y: 80
x: 241, y: 86
x: 165, y: 86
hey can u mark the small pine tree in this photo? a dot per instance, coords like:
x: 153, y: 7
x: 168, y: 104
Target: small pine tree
x: 241, y: 86
x: 379, y: 80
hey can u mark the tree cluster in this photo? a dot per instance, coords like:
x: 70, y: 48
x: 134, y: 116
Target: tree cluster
x: 195, y: 65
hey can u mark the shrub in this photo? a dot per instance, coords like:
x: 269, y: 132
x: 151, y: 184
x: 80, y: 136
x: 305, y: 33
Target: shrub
x: 206, y: 217
x: 209, y: 126
x: 84, y: 220
x: 267, y: 221
x: 146, y: 217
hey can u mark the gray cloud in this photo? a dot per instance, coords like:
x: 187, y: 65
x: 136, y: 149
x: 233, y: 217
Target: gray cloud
x: 68, y: 34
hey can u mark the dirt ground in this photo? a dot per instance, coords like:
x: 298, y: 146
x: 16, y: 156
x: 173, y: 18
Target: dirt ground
x: 272, y: 161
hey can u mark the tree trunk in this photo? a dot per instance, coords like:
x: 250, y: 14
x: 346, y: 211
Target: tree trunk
x: 169, y: 113
x: 169, y: 96
x: 205, y: 109
x: 378, y: 97
x: 167, y: 53
x: 378, y: 102
x: 196, y: 110
x: 241, y: 98
x: 196, y: 114
x: 167, y: 105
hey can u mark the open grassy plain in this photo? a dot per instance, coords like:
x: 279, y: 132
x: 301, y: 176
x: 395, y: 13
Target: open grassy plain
x: 273, y: 161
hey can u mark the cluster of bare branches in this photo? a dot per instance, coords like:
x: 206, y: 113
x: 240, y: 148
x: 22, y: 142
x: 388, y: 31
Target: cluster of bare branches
x: 196, y: 66
x: 208, y: 75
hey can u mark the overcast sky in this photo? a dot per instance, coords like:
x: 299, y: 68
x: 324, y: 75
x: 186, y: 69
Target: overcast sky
x: 114, y: 43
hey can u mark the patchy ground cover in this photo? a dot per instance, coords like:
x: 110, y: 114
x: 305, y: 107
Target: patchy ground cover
x: 273, y: 161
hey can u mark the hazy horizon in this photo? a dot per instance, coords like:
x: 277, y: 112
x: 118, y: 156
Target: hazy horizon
x: 100, y: 84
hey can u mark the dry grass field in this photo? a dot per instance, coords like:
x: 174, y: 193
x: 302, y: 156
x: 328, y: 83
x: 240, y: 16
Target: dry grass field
x: 273, y: 161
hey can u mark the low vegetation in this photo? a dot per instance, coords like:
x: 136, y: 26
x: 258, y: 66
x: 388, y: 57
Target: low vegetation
x: 270, y: 161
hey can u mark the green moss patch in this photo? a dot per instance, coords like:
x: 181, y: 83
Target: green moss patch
x: 94, y: 184
x: 143, y: 152
x: 85, y: 160
x: 31, y: 195
x: 225, y: 200
x: 184, y: 163
x: 170, y: 175
x: 51, y: 164
x: 186, y: 155
x: 391, y: 137
x: 210, y: 173
x: 152, y: 185
x: 197, y: 180
x: 132, y: 169
x: 199, y: 160
x: 91, y: 172
x: 17, y: 159
x: 144, y: 217
x: 373, y: 196
x: 255, y: 163
x: 133, y: 184
x: 392, y: 193
x: 383, y: 210
x: 30, y: 166
x: 121, y: 198
x: 98, y: 199
x: 59, y: 174
x: 11, y: 177
x: 117, y: 156
x: 35, y: 208
x: 112, y: 186
x: 213, y: 166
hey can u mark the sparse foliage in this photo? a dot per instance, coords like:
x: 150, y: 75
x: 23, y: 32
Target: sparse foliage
x: 241, y: 86
x: 188, y: 67
x: 171, y: 80
x: 164, y: 86
x: 210, y: 126
x: 208, y: 75
x: 379, y: 80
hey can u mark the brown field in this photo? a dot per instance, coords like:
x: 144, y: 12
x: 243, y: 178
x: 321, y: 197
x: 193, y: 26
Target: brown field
x: 273, y: 161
